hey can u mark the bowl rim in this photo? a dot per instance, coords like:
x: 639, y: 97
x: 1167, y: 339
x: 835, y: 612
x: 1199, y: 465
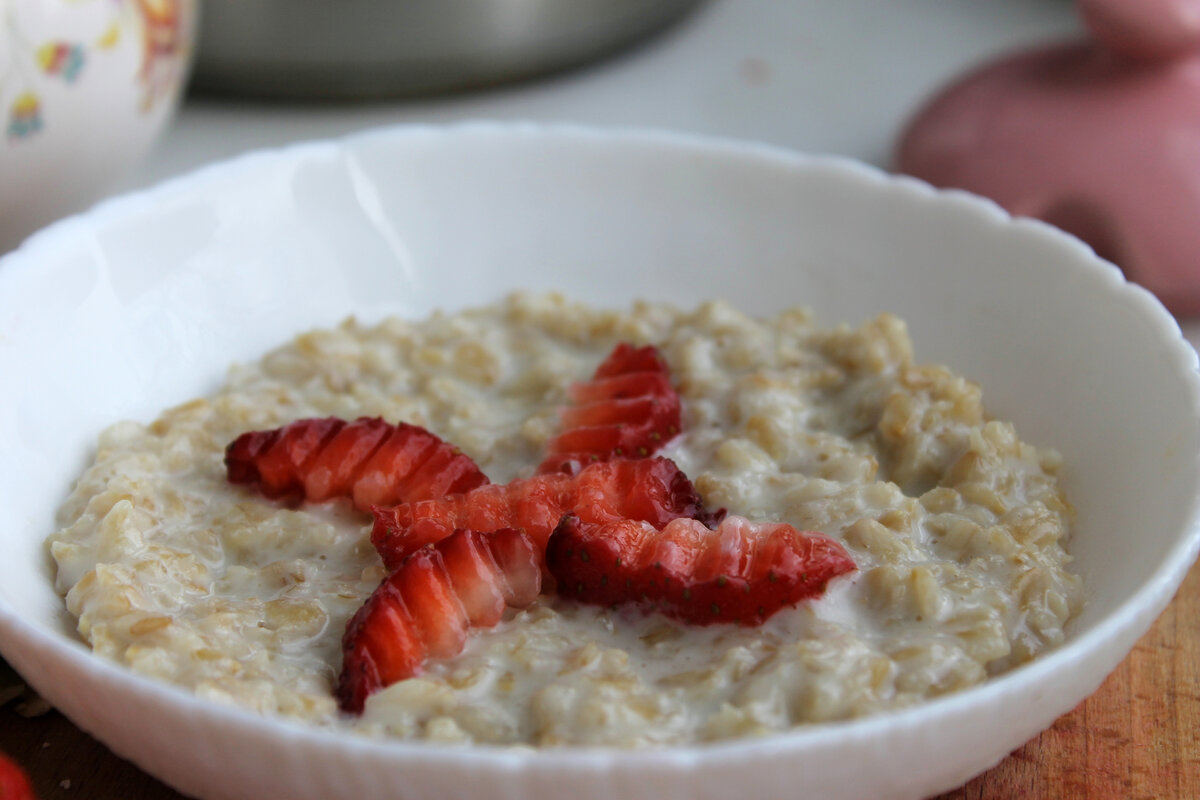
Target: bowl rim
x: 1133, y: 616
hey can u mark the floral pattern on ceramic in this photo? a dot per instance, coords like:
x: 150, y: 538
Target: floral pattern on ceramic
x: 86, y: 86
x: 97, y: 29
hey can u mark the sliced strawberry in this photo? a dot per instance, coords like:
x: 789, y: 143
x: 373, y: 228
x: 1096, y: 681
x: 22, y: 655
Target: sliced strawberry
x: 741, y: 572
x: 433, y: 606
x: 425, y: 608
x: 520, y: 565
x: 271, y: 459
x: 470, y: 565
x: 620, y: 411
x: 402, y: 529
x: 380, y: 647
x: 448, y: 470
x: 652, y: 489
x: 625, y: 359
x: 333, y: 470
x: 628, y: 410
x: 392, y: 463
x: 14, y: 783
x: 632, y: 384
x: 368, y: 460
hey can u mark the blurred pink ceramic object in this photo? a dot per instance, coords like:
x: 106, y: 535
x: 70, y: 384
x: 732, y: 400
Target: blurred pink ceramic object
x: 1144, y: 29
x: 85, y: 88
x: 1099, y: 138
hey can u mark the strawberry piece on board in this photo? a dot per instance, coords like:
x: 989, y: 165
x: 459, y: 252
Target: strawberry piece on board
x: 426, y: 608
x: 369, y: 461
x: 629, y: 409
x: 741, y: 572
x: 14, y: 783
x: 651, y: 489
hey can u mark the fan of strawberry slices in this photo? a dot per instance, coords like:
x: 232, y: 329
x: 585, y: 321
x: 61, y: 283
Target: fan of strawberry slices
x: 629, y: 409
x: 602, y: 518
x: 740, y: 572
x: 424, y: 608
x: 368, y: 460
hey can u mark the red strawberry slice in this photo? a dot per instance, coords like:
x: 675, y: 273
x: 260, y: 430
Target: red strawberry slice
x: 368, y: 460
x: 631, y: 384
x: 628, y: 410
x: 14, y: 783
x: 437, y: 615
x: 626, y: 359
x: 472, y: 566
x: 447, y: 470
x: 396, y: 459
x: 269, y: 458
x: 533, y: 505
x: 741, y: 572
x: 620, y: 411
x: 426, y: 607
x: 652, y: 489
x: 332, y: 471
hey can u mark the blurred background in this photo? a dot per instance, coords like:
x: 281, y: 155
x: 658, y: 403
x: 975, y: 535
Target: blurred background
x: 812, y: 75
x: 807, y: 74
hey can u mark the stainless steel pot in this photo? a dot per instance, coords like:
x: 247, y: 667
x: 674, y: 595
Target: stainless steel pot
x: 346, y: 49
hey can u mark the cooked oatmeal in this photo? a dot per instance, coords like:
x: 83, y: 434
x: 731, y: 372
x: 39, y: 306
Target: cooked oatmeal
x: 957, y: 527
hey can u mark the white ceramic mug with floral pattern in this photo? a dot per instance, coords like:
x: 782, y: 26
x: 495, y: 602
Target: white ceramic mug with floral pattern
x: 85, y: 86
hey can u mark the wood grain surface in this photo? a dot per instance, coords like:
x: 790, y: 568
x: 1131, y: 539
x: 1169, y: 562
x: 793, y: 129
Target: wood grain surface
x: 1137, y: 738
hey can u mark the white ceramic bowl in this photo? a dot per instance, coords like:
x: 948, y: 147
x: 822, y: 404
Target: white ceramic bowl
x: 142, y: 302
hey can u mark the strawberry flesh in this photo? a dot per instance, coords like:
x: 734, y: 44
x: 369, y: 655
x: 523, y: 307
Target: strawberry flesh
x: 368, y: 461
x: 333, y: 469
x: 652, y: 489
x: 470, y: 565
x: 425, y: 608
x: 628, y: 410
x: 433, y: 606
x: 520, y: 563
x: 625, y: 359
x: 396, y: 459
x: 741, y: 572
x: 14, y: 783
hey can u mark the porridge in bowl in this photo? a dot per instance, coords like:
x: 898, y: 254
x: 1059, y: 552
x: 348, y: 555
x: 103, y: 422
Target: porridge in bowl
x: 953, y: 531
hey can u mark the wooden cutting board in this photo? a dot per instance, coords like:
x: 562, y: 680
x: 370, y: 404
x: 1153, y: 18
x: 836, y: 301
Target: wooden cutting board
x: 1137, y: 738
